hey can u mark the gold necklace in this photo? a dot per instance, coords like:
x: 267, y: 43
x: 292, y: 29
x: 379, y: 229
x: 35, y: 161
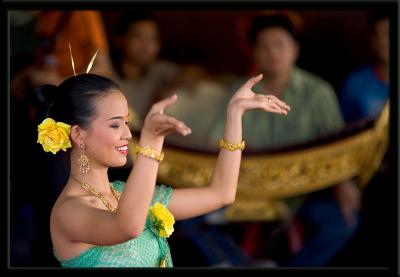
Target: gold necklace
x: 98, y: 194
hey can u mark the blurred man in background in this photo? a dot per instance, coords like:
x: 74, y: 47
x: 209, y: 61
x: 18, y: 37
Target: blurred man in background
x: 366, y: 90
x: 138, y: 70
x: 321, y: 222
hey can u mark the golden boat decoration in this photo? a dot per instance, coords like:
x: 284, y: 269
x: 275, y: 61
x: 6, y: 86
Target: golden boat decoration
x: 267, y: 178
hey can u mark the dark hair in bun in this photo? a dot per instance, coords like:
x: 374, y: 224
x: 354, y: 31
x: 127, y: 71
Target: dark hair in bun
x: 74, y: 100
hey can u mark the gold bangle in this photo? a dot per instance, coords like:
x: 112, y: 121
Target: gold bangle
x: 149, y: 152
x: 231, y: 146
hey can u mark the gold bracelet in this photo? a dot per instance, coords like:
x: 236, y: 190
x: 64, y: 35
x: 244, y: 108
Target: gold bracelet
x: 149, y: 152
x: 231, y: 146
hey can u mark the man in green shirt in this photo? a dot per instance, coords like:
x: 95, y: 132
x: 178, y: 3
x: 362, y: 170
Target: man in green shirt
x: 315, y: 113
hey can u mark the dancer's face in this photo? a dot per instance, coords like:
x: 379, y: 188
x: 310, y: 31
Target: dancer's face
x: 107, y: 137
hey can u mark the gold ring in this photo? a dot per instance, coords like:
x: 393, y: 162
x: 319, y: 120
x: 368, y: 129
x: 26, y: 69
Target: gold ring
x: 269, y: 100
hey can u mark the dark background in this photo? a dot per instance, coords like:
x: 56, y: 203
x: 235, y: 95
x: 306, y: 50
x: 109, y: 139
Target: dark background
x: 333, y: 43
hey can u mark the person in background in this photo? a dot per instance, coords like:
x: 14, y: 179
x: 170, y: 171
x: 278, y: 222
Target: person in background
x: 137, y: 67
x: 366, y: 90
x: 200, y: 92
x: 329, y: 216
x: 364, y: 94
x: 55, y: 31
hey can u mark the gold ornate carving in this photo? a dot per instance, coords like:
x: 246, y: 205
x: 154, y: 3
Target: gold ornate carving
x: 257, y: 211
x: 379, y: 143
x: 264, y: 179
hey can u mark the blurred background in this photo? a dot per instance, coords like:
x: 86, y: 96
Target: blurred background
x: 199, y: 54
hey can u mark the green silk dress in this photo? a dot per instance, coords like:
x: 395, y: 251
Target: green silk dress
x: 147, y: 250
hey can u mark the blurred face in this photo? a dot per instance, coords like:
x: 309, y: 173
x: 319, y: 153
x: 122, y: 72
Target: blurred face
x: 107, y: 137
x: 142, y: 43
x: 380, y: 41
x: 275, y: 51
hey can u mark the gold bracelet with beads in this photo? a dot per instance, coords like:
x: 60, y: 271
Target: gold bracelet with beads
x: 149, y: 152
x: 231, y: 146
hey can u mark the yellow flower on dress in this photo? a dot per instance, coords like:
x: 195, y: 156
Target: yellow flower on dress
x: 54, y: 136
x: 162, y: 220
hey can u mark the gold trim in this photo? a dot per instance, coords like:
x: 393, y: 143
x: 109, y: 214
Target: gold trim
x: 257, y: 211
x: 379, y: 146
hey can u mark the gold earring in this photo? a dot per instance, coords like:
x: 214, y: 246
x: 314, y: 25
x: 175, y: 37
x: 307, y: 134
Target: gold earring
x: 83, y: 160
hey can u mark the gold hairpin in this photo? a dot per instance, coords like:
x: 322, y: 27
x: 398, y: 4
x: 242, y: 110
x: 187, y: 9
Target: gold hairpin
x: 89, y: 65
x: 72, y: 59
x: 91, y: 62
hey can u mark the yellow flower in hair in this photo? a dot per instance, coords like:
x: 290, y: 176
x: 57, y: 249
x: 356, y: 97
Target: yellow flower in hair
x: 54, y: 136
x: 162, y: 220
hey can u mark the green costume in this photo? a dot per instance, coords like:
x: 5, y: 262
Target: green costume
x: 147, y: 250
